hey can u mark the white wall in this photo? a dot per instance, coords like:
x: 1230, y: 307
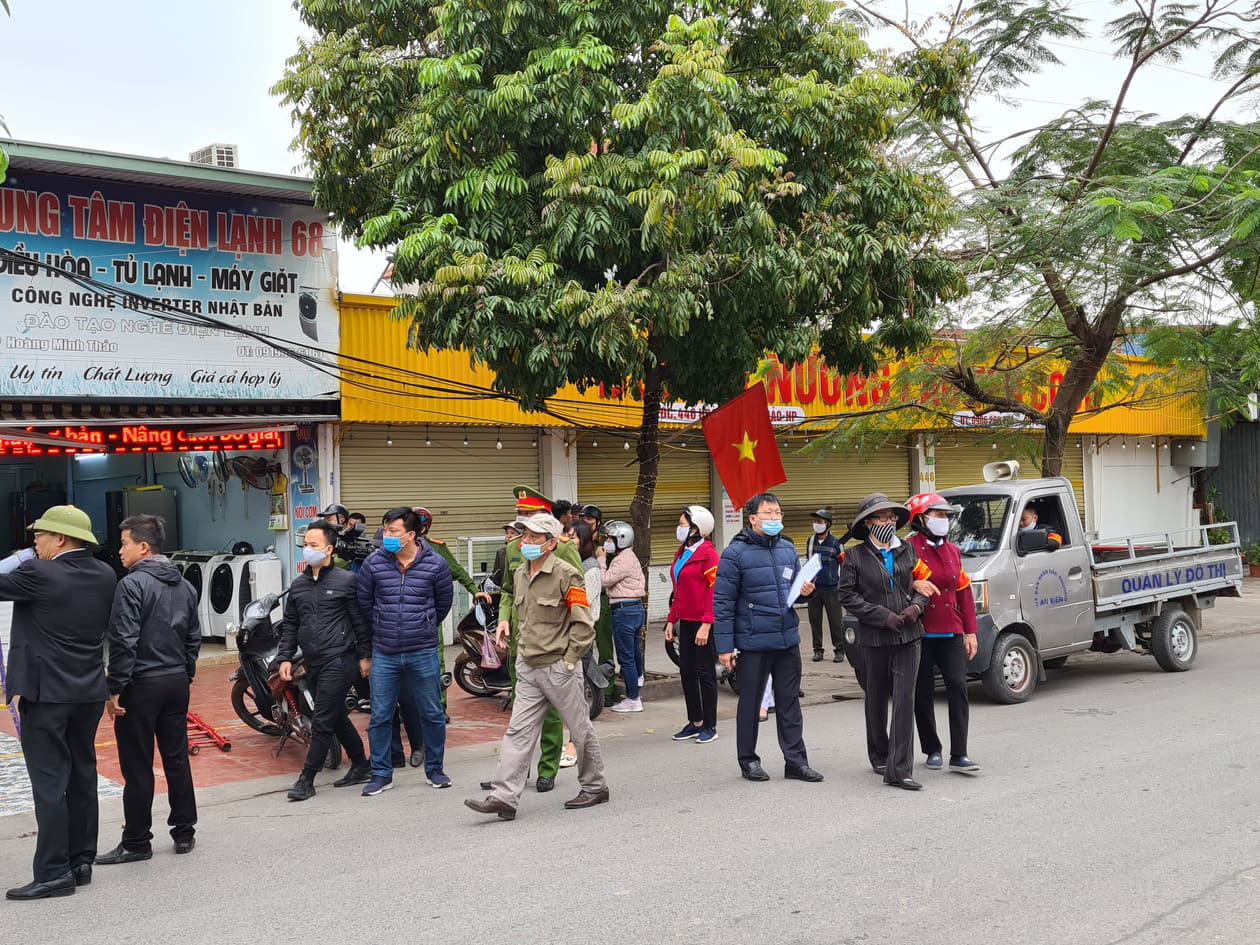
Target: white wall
x: 1135, y: 487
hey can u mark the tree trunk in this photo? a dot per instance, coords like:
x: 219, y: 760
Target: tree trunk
x: 649, y: 455
x: 1055, y: 443
x: 1082, y: 372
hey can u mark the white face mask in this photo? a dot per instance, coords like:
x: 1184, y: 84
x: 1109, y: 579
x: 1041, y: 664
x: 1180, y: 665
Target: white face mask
x: 1028, y: 528
x: 683, y: 532
x: 610, y: 546
x: 820, y: 528
x: 938, y: 526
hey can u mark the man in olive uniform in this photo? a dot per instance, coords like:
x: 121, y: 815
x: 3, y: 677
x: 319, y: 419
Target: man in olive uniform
x: 462, y: 577
x: 531, y: 502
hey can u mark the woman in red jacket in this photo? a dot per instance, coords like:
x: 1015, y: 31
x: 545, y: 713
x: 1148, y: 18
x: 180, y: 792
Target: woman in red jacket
x: 690, y: 622
x: 949, y: 633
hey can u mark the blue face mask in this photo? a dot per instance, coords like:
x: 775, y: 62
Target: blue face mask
x: 391, y: 543
x: 531, y: 552
x: 313, y: 556
x: 772, y: 526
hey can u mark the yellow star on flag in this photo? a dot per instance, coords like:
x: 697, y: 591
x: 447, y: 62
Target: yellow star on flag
x: 747, y: 449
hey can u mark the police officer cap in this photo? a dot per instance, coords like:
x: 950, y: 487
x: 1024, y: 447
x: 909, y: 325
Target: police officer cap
x: 544, y: 523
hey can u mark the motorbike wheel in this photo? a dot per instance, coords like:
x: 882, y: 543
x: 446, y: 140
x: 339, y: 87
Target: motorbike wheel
x: 468, y: 677
x: 594, y: 700
x: 671, y: 650
x: 732, y: 680
x: 333, y: 762
x: 248, y: 711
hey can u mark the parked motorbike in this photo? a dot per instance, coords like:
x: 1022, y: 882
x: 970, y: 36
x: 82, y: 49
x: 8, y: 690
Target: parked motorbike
x: 264, y: 701
x: 728, y: 676
x: 478, y: 680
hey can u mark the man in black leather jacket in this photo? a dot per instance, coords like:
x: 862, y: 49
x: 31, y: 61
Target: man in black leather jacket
x: 323, y: 617
x: 154, y: 639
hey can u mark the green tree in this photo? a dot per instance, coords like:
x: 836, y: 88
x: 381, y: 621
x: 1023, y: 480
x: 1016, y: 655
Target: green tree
x: 648, y: 194
x: 1090, y: 227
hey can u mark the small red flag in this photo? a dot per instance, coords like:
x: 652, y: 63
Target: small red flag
x: 741, y: 440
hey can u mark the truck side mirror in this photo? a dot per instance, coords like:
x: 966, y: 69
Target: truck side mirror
x: 1029, y: 541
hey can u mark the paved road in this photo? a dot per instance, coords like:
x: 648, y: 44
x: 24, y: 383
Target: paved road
x: 1120, y: 805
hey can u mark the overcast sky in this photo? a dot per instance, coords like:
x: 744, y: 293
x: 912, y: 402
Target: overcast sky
x: 164, y: 77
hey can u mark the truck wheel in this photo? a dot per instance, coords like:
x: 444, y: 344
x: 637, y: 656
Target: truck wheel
x: 1174, y: 640
x: 1012, y: 673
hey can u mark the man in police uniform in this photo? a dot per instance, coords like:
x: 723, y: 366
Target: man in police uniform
x: 462, y: 577
x: 531, y: 502
x: 62, y: 599
x: 554, y: 632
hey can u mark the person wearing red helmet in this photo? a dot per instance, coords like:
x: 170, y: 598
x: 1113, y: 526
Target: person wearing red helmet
x: 949, y: 633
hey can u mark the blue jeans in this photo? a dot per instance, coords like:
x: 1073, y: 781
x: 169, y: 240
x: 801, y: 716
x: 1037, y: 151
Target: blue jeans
x: 627, y: 621
x: 418, y: 675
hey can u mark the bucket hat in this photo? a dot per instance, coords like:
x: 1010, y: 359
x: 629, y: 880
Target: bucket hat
x: 876, y: 502
x: 65, y: 520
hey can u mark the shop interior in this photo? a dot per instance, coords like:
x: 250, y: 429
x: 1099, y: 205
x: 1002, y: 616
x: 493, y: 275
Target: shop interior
x: 224, y: 506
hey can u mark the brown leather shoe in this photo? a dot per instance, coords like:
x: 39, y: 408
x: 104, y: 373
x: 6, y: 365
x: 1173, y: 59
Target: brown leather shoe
x: 587, y: 800
x: 492, y: 805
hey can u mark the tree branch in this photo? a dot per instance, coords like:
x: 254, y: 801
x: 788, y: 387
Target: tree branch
x: 1207, y: 120
x: 1195, y: 264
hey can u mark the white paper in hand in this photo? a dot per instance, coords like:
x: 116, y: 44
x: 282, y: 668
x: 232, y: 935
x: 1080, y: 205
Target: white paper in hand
x: 809, y: 570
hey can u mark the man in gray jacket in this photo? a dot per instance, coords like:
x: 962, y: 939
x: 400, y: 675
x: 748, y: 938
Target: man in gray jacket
x: 154, y: 639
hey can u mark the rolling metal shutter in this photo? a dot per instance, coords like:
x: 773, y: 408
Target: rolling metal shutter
x: 467, y: 488
x: 838, y: 480
x: 607, y: 474
x: 960, y: 462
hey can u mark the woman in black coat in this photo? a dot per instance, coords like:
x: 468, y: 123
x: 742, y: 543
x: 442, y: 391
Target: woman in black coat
x: 883, y: 585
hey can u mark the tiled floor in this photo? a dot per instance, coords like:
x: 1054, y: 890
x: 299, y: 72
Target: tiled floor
x: 473, y: 721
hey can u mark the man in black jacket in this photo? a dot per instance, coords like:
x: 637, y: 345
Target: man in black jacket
x: 323, y: 617
x: 154, y: 639
x: 61, y: 608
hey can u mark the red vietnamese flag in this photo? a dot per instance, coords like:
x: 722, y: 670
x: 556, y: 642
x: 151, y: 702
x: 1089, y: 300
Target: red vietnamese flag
x: 741, y: 440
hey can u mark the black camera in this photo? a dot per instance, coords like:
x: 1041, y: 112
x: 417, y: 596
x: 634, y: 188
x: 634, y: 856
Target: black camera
x: 351, y: 545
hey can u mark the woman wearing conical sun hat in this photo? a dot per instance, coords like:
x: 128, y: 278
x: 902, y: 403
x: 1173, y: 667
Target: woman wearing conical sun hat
x: 883, y: 584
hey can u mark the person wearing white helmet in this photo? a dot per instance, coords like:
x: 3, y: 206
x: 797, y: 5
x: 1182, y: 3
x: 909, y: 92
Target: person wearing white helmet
x: 623, y: 580
x: 690, y: 622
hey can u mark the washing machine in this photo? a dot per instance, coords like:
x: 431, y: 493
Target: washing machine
x: 192, y: 565
x: 231, y: 582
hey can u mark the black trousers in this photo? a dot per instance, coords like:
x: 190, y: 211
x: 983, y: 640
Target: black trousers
x: 890, y: 676
x: 330, y: 680
x: 157, y: 709
x: 697, y: 668
x: 784, y: 667
x: 947, y: 654
x: 828, y: 599
x: 59, y: 745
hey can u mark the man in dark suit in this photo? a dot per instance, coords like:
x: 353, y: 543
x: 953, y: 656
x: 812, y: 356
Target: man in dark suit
x: 61, y: 608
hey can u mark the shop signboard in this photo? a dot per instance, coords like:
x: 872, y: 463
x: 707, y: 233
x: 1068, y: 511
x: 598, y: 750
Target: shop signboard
x: 131, y: 438
x: 161, y: 294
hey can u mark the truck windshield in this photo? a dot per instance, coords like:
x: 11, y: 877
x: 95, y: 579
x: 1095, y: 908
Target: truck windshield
x: 977, y: 528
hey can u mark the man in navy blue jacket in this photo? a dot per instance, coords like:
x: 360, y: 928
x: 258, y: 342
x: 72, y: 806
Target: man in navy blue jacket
x: 405, y: 590
x: 751, y: 615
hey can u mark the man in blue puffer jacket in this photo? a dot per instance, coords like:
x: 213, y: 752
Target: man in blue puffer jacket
x: 405, y: 590
x: 751, y: 615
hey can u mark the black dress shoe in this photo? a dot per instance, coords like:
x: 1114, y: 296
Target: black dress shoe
x: 818, y: 656
x: 879, y: 769
x: 185, y: 845
x: 120, y: 854
x: 417, y: 759
x: 839, y: 657
x: 906, y: 784
x: 398, y: 761
x: 803, y: 773
x: 545, y: 784
x: 82, y: 874
x: 61, y: 886
x: 754, y: 772
x: 487, y: 785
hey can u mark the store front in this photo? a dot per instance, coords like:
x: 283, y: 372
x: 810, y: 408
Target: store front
x: 152, y: 318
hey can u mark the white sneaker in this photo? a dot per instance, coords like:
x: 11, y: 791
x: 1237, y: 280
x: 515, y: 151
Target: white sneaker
x: 629, y: 705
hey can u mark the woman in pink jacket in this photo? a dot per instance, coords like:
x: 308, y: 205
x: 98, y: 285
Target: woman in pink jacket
x: 690, y: 621
x: 626, y: 588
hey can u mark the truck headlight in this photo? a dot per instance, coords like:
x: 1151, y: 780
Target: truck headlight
x: 980, y: 591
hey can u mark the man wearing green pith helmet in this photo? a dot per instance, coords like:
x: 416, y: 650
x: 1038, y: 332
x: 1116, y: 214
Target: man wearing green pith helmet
x: 530, y: 501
